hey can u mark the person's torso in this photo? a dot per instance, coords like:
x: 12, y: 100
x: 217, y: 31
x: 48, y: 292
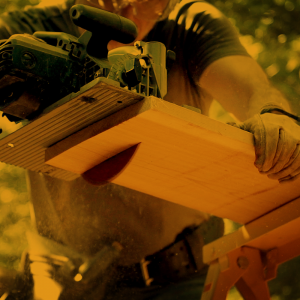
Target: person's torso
x: 86, y: 217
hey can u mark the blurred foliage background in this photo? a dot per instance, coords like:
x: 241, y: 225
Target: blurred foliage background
x: 271, y: 33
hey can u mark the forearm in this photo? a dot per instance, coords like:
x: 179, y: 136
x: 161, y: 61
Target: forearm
x: 241, y: 86
x: 266, y: 97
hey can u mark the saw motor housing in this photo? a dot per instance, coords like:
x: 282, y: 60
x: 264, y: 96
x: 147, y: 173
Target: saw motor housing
x: 37, y: 71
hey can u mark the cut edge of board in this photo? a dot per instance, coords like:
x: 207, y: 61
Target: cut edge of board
x: 163, y: 109
x: 66, y: 116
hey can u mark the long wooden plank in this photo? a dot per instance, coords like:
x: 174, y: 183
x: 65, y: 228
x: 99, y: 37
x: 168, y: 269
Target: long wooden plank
x: 184, y: 157
x: 94, y: 101
x: 277, y: 229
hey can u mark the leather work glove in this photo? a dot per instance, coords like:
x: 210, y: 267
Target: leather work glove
x: 276, y: 140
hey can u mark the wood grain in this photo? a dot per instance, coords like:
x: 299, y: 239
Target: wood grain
x: 184, y: 157
x: 96, y: 100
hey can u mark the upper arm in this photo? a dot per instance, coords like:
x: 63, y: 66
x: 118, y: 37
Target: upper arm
x: 208, y: 42
x: 217, y: 62
x: 209, y: 36
x: 200, y: 35
x: 232, y: 81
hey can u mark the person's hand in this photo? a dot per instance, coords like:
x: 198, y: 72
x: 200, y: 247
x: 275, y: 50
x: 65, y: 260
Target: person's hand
x: 277, y: 145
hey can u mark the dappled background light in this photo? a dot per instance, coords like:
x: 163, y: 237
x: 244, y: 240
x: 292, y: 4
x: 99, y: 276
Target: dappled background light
x: 270, y: 31
x: 14, y: 215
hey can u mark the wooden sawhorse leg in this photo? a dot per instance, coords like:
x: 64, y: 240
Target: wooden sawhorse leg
x: 249, y: 256
x: 242, y: 267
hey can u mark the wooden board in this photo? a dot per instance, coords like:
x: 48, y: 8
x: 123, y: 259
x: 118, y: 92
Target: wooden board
x: 26, y: 146
x: 184, y: 157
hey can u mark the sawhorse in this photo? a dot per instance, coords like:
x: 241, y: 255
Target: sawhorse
x: 249, y: 257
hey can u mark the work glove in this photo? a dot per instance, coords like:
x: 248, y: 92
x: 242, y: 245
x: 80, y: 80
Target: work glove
x: 276, y: 140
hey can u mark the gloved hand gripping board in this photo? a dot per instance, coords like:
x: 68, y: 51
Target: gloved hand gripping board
x: 54, y: 84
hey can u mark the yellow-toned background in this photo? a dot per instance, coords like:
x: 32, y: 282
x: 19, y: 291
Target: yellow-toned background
x: 270, y: 31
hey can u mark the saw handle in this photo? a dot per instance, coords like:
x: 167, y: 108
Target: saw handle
x: 104, y: 24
